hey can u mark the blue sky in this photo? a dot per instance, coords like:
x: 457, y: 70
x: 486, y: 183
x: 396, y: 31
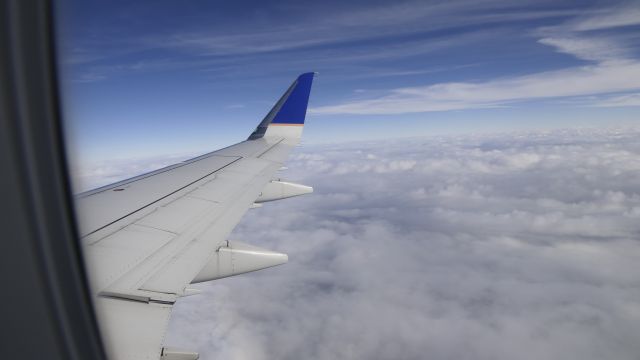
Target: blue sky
x: 165, y: 77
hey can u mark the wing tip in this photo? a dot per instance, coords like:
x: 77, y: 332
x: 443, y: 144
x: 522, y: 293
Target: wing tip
x: 294, y: 108
x: 291, y: 109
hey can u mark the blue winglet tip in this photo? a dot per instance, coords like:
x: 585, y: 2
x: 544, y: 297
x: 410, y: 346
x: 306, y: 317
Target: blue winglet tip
x: 294, y: 109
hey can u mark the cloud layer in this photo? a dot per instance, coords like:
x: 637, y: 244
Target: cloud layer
x: 519, y: 245
x: 87, y: 176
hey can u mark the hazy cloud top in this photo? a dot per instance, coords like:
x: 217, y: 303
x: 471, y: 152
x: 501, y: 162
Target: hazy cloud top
x: 516, y: 246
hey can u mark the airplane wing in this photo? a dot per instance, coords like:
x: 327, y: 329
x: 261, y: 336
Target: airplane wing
x: 146, y: 239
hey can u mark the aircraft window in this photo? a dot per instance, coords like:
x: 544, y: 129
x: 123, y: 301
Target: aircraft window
x: 469, y: 169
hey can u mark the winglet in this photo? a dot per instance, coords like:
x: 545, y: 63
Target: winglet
x: 289, y: 111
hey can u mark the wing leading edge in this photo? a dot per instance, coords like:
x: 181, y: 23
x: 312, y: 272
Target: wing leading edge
x: 148, y: 238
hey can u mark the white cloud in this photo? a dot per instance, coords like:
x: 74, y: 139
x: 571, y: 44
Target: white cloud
x: 477, y: 247
x: 592, y: 49
x: 619, y: 101
x: 578, y: 81
x: 91, y: 175
x: 612, y: 69
x: 612, y: 18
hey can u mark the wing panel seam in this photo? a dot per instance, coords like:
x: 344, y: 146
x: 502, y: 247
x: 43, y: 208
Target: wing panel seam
x: 270, y: 147
x: 161, y: 198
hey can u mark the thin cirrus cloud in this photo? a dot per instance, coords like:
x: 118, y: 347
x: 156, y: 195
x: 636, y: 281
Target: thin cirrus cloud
x: 337, y: 35
x: 348, y: 26
x: 612, y: 69
x: 614, y: 18
x: 620, y: 101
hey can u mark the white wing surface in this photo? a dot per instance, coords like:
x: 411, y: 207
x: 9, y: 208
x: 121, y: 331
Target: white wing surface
x: 147, y: 238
